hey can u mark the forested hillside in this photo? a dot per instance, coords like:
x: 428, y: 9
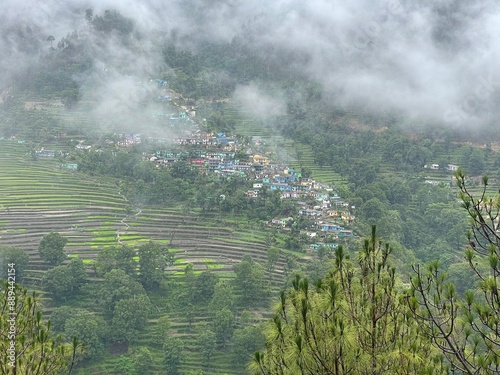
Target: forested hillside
x: 187, y: 196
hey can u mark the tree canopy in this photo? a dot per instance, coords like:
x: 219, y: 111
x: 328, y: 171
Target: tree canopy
x: 464, y: 327
x: 51, y: 248
x: 353, y: 321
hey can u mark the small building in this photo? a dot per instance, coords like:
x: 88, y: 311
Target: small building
x: 331, y: 228
x: 434, y: 167
x: 262, y: 160
x: 343, y: 233
x: 45, y: 153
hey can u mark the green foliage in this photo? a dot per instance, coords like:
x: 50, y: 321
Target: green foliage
x: 116, y: 257
x: 125, y: 366
x: 224, y: 322
x: 143, y: 359
x: 161, y: 329
x: 207, y: 343
x: 465, y: 329
x: 18, y: 257
x: 244, y: 343
x: 137, y: 361
x: 51, y: 248
x: 37, y: 351
x: 117, y: 286
x: 88, y: 328
x: 273, y: 256
x: 59, y: 316
x: 153, y: 259
x: 65, y: 282
x: 249, y: 282
x: 112, y: 20
x: 130, y: 317
x: 217, y: 122
x: 173, y: 354
x: 223, y: 298
x: 352, y: 321
x: 204, y: 286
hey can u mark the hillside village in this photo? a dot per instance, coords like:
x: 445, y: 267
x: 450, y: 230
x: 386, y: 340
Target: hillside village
x: 217, y: 154
x: 227, y: 156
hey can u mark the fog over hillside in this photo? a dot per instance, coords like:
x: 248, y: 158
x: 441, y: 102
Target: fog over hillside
x: 431, y: 60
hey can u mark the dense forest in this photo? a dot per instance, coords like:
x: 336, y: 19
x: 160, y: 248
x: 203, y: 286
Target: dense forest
x: 415, y: 292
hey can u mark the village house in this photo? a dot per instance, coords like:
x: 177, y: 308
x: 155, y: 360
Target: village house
x: 290, y: 194
x: 434, y: 167
x: 262, y: 160
x: 331, y: 227
x: 316, y: 246
x: 309, y: 212
x: 346, y: 216
x: 281, y: 187
x: 334, y: 214
x: 343, y: 233
x: 282, y: 222
x: 45, y: 153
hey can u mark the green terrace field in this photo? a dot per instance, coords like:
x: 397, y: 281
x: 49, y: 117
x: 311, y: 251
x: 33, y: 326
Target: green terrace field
x: 37, y: 197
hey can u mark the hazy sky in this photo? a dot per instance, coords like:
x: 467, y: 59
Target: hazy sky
x: 431, y: 60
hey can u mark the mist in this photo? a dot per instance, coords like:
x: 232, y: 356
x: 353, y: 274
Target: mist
x: 426, y: 61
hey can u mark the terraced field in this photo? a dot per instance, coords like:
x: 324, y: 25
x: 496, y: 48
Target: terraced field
x: 37, y: 197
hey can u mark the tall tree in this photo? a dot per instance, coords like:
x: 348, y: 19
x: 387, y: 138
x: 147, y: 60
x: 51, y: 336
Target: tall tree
x: 223, y: 298
x: 352, y: 322
x: 65, y: 282
x: 51, y: 248
x: 244, y: 343
x: 207, y: 343
x: 224, y: 325
x: 130, y: 317
x: 116, y: 257
x: 30, y: 347
x: 153, y: 258
x: 249, y: 282
x: 117, y: 286
x: 88, y: 328
x: 466, y: 329
x: 204, y: 286
x: 173, y: 354
x: 161, y: 330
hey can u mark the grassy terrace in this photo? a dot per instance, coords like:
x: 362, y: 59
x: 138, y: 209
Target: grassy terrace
x: 37, y: 197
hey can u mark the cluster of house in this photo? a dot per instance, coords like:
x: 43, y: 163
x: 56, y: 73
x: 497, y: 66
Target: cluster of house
x: 329, y: 214
x: 208, y: 140
x: 279, y: 178
x: 208, y: 152
x: 216, y: 153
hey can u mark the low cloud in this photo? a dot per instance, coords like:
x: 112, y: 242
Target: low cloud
x: 258, y: 103
x: 431, y: 60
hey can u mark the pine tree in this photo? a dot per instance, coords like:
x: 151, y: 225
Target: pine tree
x: 26, y: 342
x: 467, y: 329
x: 355, y: 321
